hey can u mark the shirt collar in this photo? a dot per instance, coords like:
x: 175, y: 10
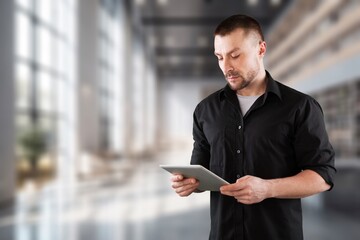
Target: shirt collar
x: 271, y: 87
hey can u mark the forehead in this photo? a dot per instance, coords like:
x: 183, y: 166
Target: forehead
x: 237, y: 38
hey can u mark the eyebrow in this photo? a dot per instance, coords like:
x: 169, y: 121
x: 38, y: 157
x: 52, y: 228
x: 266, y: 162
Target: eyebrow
x: 233, y: 50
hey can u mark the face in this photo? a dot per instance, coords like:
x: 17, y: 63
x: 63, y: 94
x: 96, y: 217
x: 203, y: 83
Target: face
x: 240, y: 57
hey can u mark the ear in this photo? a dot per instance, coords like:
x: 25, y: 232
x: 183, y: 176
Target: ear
x: 262, y: 48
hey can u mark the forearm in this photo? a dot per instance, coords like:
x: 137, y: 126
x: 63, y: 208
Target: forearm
x: 304, y: 184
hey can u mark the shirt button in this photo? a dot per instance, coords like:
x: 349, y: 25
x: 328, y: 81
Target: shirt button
x: 239, y: 126
x: 238, y: 176
x: 238, y: 151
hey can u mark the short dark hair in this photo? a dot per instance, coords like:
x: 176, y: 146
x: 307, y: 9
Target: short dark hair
x: 238, y: 21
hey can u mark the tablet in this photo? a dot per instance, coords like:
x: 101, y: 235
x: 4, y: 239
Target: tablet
x: 208, y: 180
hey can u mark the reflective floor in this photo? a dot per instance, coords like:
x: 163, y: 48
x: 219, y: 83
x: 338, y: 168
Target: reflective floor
x: 135, y: 203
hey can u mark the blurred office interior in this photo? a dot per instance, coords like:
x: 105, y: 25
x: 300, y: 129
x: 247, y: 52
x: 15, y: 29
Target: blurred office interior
x: 95, y: 94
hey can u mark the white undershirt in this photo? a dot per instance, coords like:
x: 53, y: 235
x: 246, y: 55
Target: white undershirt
x: 246, y: 102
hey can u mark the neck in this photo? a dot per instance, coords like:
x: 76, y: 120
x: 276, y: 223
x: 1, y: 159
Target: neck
x: 256, y: 88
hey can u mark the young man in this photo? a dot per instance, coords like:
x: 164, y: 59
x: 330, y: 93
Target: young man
x: 267, y: 139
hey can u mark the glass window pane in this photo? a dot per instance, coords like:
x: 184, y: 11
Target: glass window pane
x: 61, y: 97
x: 23, y: 86
x: 60, y: 17
x: 71, y: 69
x: 44, y: 10
x: 44, y: 46
x: 23, y: 124
x: 26, y: 4
x: 70, y: 21
x: 46, y: 92
x: 72, y: 4
x: 60, y: 57
x: 23, y: 35
x: 47, y: 124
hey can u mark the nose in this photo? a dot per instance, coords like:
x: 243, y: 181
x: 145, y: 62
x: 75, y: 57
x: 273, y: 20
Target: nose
x: 227, y: 65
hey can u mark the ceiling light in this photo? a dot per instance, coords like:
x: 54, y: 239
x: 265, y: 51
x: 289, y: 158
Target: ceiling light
x: 162, y: 2
x: 252, y: 2
x: 275, y: 2
x: 140, y: 2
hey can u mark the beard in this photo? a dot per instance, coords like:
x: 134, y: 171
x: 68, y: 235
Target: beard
x: 241, y: 81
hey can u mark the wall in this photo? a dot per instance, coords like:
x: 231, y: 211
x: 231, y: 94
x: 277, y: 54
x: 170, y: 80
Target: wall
x: 7, y: 157
x: 177, y: 102
x: 88, y: 104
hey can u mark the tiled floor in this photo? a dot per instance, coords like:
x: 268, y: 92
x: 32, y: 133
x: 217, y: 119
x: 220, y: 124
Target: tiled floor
x: 137, y: 206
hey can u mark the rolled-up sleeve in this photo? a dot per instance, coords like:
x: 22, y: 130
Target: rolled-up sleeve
x: 312, y: 147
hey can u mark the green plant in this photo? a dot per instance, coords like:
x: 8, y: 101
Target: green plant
x: 33, y: 145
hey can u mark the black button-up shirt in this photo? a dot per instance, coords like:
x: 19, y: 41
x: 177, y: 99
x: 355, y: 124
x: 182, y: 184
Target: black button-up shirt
x: 282, y: 134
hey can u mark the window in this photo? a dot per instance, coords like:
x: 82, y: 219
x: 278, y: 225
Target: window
x: 110, y: 77
x: 44, y: 70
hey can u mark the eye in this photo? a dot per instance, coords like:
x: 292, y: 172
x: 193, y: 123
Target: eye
x: 218, y: 56
x: 235, y: 56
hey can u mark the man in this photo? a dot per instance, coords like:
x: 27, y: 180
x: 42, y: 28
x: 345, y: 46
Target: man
x: 267, y: 139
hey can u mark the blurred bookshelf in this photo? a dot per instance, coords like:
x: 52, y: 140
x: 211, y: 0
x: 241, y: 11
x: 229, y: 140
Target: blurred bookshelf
x: 341, y: 107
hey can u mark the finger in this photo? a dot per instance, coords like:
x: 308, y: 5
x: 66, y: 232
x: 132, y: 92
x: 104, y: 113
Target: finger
x: 241, y: 192
x: 240, y: 195
x: 190, y: 181
x: 185, y: 182
x: 177, y: 177
x: 186, y: 193
x: 230, y: 188
x: 245, y: 200
x: 229, y: 193
x: 187, y: 189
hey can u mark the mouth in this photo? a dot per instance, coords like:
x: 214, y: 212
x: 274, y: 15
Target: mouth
x: 232, y: 78
x: 232, y: 75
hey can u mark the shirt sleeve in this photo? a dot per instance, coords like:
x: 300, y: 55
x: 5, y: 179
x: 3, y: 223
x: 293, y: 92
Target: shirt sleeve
x: 312, y: 147
x: 201, y: 148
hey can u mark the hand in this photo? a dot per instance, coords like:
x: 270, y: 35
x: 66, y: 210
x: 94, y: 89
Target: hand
x: 247, y: 190
x: 184, y: 186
